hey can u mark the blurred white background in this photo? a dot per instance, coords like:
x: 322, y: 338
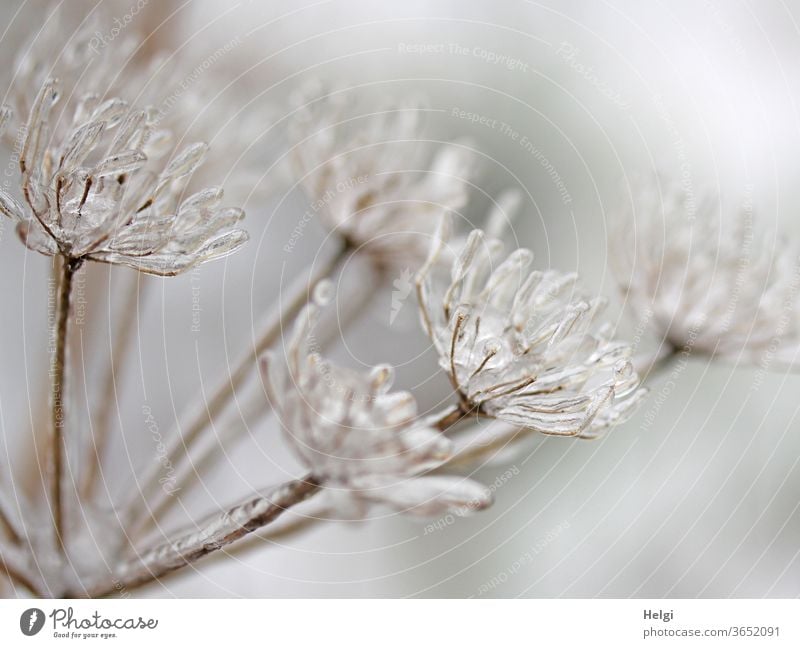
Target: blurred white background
x: 702, y: 502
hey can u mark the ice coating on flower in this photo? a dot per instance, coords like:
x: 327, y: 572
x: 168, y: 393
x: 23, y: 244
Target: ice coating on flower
x: 523, y: 345
x: 356, y: 435
x: 371, y: 174
x: 726, y: 292
x: 69, y: 48
x: 95, y: 193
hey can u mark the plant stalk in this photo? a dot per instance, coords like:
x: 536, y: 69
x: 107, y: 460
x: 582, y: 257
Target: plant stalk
x: 454, y: 415
x: 217, y: 532
x: 9, y: 520
x: 58, y: 396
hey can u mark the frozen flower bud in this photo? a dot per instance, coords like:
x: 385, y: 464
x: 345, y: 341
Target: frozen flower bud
x: 371, y: 174
x: 521, y: 345
x: 93, y: 194
x: 728, y: 293
x: 356, y: 436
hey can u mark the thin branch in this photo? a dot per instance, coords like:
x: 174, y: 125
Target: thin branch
x: 218, y: 532
x: 279, y: 532
x: 9, y: 519
x: 452, y: 416
x: 58, y: 397
x: 487, y: 443
x: 207, y: 410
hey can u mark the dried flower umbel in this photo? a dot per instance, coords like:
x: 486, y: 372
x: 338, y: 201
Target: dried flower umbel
x: 373, y: 177
x: 728, y: 293
x: 356, y: 436
x: 96, y: 196
x: 521, y: 346
x: 69, y: 47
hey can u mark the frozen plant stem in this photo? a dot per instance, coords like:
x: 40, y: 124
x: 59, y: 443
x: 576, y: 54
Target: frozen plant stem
x: 221, y: 530
x: 9, y: 521
x: 507, y: 435
x: 207, y: 410
x: 213, y: 535
x: 58, y: 397
x: 452, y: 416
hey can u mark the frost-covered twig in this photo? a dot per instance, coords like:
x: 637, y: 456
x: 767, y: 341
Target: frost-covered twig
x: 215, y: 534
x: 485, y: 443
x: 59, y: 437
x: 9, y: 520
x: 248, y: 414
